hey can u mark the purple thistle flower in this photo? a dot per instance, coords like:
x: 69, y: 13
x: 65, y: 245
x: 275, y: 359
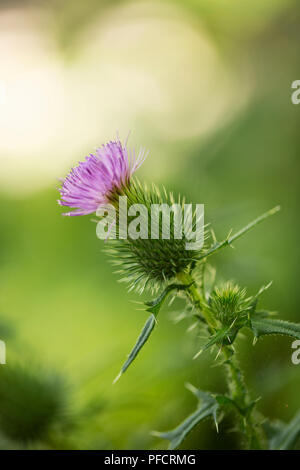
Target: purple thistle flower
x: 95, y: 180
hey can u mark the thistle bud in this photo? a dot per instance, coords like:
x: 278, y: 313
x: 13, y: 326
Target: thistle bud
x: 161, y: 247
x: 228, y: 302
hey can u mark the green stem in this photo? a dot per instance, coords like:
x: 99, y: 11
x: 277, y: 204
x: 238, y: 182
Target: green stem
x: 230, y: 239
x: 239, y: 393
x: 197, y: 299
x: 237, y: 388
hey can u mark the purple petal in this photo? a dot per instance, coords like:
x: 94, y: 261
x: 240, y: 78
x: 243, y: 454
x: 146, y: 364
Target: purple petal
x: 91, y: 183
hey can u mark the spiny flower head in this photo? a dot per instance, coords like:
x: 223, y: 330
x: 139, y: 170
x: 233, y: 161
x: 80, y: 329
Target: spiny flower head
x: 149, y: 263
x: 228, y: 302
x: 95, y: 181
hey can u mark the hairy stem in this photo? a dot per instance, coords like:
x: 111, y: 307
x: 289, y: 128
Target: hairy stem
x: 235, y: 381
x: 239, y: 393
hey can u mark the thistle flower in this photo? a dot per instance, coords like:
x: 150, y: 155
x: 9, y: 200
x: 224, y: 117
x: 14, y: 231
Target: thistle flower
x: 100, y: 180
x: 95, y: 181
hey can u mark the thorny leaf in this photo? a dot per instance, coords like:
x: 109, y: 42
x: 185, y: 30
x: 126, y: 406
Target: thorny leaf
x: 283, y: 436
x: 207, y: 406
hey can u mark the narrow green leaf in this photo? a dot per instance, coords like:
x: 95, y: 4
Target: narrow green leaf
x: 208, y: 406
x: 263, y: 325
x: 231, y: 238
x: 224, y: 336
x: 154, y: 307
x: 217, y: 338
x: 145, y: 333
x: 283, y: 436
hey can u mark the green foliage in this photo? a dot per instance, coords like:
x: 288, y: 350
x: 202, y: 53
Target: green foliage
x: 283, y: 436
x: 207, y: 406
x: 225, y: 310
x: 262, y: 324
x: 31, y: 403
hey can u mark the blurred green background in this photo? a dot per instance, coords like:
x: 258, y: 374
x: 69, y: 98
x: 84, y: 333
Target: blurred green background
x: 206, y: 86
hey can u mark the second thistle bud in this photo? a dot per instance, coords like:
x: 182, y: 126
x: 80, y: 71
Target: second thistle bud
x: 228, y: 303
